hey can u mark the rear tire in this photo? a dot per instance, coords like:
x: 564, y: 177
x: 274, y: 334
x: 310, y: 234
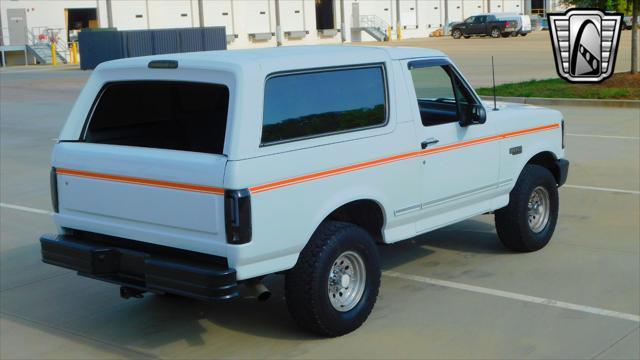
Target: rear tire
x: 495, y: 33
x: 527, y: 223
x: 505, y: 35
x: 457, y: 34
x: 523, y: 34
x: 334, y: 285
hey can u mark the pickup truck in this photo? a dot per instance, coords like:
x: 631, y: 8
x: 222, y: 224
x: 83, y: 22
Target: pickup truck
x: 193, y: 174
x: 482, y: 25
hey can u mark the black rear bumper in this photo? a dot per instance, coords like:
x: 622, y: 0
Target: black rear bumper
x: 141, y: 266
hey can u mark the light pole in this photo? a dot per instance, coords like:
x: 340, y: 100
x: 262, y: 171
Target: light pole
x: 278, y: 29
x: 398, y: 21
x: 446, y: 16
x: 201, y: 12
x: 343, y: 25
x: 109, y: 15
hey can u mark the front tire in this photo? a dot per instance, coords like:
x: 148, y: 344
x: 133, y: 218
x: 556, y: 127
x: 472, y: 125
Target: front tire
x: 527, y: 223
x: 457, y: 34
x: 334, y: 285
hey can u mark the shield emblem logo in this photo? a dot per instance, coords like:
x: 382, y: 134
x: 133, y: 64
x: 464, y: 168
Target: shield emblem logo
x: 585, y: 43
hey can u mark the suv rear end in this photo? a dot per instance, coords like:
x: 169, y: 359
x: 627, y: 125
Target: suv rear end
x: 138, y: 180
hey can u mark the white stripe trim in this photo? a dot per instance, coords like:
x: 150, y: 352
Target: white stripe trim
x: 606, y: 136
x: 27, y: 209
x: 582, y: 187
x: 515, y: 296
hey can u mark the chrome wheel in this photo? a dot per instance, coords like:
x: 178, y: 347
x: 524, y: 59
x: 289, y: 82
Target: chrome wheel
x: 347, y: 279
x: 538, y: 209
x: 495, y: 33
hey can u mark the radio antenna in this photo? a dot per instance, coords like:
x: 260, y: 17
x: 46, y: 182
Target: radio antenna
x: 493, y: 74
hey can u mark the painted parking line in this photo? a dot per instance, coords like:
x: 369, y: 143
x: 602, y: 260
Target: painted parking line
x: 606, y: 136
x: 27, y: 209
x: 595, y: 188
x: 515, y: 296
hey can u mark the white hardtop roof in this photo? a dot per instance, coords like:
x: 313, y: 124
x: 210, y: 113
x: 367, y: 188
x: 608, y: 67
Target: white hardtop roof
x: 280, y: 58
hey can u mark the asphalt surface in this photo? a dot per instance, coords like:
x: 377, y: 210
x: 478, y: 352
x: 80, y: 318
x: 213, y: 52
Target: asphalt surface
x: 453, y: 293
x: 516, y: 59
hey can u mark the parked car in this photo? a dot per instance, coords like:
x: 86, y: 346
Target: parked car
x: 525, y: 25
x: 482, y: 25
x: 191, y: 174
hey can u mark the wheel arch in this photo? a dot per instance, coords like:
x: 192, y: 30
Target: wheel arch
x: 367, y: 212
x: 547, y: 159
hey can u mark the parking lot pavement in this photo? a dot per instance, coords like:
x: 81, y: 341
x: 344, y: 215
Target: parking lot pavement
x: 453, y: 293
x: 516, y: 59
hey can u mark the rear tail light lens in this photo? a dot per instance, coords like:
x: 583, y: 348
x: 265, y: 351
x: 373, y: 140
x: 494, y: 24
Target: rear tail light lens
x: 53, y: 182
x: 237, y: 214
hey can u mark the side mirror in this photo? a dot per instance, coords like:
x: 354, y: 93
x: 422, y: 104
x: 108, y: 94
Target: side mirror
x: 472, y: 114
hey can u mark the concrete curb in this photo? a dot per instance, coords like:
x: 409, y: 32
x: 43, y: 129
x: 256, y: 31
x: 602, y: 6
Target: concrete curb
x: 631, y: 104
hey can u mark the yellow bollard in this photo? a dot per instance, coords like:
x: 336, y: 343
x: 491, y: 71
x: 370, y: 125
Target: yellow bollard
x: 399, y: 33
x: 389, y: 33
x: 74, y: 52
x: 54, y: 55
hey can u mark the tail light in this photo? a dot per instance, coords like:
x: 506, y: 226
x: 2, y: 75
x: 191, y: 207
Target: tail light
x: 53, y: 182
x: 237, y: 214
x: 508, y: 24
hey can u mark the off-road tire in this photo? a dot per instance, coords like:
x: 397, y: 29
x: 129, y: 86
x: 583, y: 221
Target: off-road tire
x: 306, y: 285
x: 512, y: 223
x: 457, y: 34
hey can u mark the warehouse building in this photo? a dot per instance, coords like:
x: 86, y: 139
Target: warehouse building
x: 248, y: 23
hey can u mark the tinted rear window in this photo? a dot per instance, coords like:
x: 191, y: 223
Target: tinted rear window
x: 311, y: 104
x: 166, y: 115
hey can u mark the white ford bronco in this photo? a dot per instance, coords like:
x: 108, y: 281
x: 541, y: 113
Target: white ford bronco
x: 190, y: 174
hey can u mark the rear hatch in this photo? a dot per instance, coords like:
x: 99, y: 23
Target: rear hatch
x: 148, y: 165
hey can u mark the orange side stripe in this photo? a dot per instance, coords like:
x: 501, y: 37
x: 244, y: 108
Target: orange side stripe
x: 368, y: 164
x: 141, y: 181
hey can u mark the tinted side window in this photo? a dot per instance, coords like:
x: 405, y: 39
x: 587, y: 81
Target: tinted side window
x: 321, y: 102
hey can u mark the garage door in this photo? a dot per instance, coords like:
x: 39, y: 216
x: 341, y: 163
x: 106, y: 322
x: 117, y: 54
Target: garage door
x: 292, y: 15
x: 219, y: 13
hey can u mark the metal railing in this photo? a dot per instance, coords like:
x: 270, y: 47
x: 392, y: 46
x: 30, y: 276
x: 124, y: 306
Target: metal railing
x: 43, y: 35
x: 373, y: 21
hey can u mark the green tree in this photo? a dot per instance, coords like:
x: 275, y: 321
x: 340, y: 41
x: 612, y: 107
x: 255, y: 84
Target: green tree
x: 611, y: 5
x: 634, y: 37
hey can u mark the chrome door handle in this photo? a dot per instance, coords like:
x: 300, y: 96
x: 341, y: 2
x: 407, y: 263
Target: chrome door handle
x: 429, y: 141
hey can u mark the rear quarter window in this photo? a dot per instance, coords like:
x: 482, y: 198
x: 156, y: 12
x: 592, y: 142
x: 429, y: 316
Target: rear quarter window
x: 160, y: 114
x: 316, y: 103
